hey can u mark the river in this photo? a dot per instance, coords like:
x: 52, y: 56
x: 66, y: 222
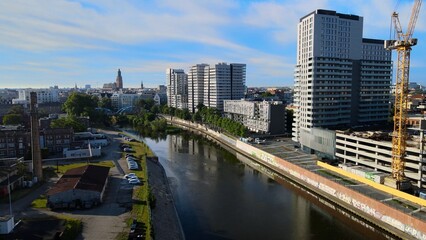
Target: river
x: 220, y: 196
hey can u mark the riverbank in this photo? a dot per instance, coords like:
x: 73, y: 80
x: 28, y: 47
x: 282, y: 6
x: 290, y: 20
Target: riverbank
x: 164, y: 217
x: 371, y: 205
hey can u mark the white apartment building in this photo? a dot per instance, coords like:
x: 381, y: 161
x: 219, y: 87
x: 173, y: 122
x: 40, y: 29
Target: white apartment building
x: 258, y: 116
x: 196, y: 81
x: 122, y: 100
x: 43, y: 95
x: 177, y: 88
x: 223, y: 82
x: 341, y: 79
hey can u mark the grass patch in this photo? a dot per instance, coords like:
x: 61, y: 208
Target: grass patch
x: 40, y: 202
x: 73, y: 228
x: 63, y: 168
x: 141, y: 207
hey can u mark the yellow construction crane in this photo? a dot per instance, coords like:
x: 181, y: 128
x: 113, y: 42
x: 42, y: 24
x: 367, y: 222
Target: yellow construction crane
x: 402, y: 45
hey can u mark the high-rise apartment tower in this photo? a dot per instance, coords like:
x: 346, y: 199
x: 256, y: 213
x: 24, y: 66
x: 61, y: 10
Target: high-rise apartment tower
x: 177, y: 88
x: 341, y: 78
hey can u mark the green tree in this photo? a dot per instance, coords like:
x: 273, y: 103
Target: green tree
x: 145, y: 104
x: 105, y: 102
x: 80, y: 104
x: 68, y: 122
x: 12, y: 119
x: 16, y: 109
x: 267, y: 94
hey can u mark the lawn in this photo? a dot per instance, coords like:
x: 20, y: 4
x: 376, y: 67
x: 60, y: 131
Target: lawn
x: 140, y: 209
x: 63, y: 168
x: 73, y: 228
x: 40, y: 202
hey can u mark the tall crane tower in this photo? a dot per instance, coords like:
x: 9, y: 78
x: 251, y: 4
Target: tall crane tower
x: 402, y: 45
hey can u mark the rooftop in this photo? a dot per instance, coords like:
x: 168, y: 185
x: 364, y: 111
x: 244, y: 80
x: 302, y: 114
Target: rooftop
x: 89, y: 177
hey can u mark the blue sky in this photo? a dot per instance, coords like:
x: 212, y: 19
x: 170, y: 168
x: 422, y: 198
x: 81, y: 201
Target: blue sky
x: 57, y: 42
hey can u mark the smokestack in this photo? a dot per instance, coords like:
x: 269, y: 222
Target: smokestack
x: 35, y: 138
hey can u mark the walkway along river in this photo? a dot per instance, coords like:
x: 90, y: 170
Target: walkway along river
x: 218, y: 196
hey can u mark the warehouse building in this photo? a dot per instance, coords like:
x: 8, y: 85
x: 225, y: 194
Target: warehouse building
x: 81, y: 187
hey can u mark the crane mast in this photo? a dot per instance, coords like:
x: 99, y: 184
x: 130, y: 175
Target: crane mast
x: 402, y: 45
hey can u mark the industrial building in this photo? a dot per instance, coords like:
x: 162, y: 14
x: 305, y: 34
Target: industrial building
x: 266, y: 117
x: 341, y: 78
x: 15, y: 141
x: 81, y: 187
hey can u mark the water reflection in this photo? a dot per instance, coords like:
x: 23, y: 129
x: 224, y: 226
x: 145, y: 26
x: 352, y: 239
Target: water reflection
x: 224, y: 195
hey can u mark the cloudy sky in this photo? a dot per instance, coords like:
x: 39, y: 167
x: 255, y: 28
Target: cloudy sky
x: 64, y: 42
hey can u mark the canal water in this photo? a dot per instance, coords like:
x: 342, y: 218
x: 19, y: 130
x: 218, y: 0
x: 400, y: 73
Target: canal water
x: 220, y: 196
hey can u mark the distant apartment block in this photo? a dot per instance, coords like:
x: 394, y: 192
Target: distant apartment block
x: 177, y: 88
x: 258, y: 116
x: 210, y: 85
x: 123, y: 100
x: 224, y: 82
x: 341, y: 78
x: 50, y: 95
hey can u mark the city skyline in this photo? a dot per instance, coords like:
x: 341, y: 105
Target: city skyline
x: 78, y: 42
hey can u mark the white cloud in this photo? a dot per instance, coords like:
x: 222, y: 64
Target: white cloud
x: 53, y: 24
x: 280, y: 17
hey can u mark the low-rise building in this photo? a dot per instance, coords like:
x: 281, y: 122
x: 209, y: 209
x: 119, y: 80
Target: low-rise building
x: 374, y: 150
x: 78, y: 152
x: 258, y: 116
x: 79, y: 187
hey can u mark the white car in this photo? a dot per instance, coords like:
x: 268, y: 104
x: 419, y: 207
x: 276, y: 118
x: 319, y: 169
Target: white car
x: 129, y: 175
x: 134, y: 181
x: 127, y: 150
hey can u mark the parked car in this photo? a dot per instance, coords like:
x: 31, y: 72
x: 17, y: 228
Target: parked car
x: 131, y: 158
x: 134, y: 225
x: 127, y: 150
x: 130, y: 155
x: 129, y: 175
x: 132, y: 166
x: 134, y: 181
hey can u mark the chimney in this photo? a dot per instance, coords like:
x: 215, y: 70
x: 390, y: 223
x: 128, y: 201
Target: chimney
x: 35, y: 138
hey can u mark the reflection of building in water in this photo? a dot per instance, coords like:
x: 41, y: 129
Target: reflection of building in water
x: 178, y: 144
x: 194, y: 147
x: 210, y: 153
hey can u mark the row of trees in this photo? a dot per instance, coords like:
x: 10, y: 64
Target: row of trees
x: 210, y: 116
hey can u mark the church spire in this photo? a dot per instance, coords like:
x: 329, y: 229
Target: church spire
x: 119, y: 80
x: 141, y: 84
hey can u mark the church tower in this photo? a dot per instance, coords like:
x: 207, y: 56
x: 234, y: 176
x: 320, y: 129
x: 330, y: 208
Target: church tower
x: 141, y: 84
x: 119, y: 80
